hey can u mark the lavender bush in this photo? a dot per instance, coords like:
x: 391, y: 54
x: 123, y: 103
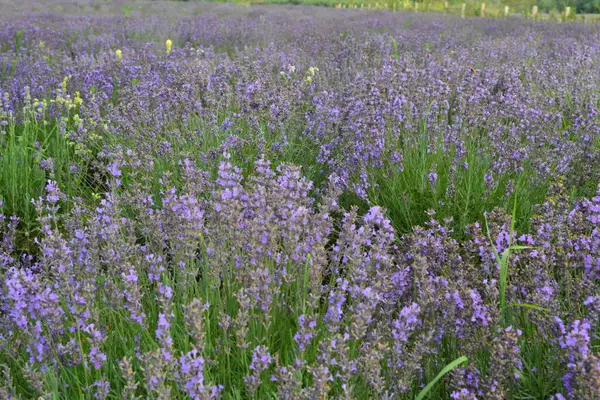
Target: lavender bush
x: 211, y: 201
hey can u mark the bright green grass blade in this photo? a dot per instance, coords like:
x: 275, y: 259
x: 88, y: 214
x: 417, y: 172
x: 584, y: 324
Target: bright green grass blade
x: 443, y: 372
x: 532, y: 306
x: 520, y: 247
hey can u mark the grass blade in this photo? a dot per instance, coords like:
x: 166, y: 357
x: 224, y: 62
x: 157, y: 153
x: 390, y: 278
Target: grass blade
x: 520, y: 247
x: 443, y: 372
x: 528, y: 305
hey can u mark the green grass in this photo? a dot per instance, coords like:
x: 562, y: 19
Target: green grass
x: 459, y: 192
x: 26, y: 146
x: 423, y: 393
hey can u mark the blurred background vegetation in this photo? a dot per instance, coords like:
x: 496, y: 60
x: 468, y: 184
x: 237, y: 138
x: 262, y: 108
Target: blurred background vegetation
x: 554, y: 8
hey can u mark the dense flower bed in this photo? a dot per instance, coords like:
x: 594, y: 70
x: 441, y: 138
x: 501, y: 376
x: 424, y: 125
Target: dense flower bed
x: 270, y: 202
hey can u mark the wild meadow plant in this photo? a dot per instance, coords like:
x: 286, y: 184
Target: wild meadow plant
x: 210, y: 201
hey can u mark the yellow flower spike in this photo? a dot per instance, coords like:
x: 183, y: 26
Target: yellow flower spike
x: 168, y: 44
x: 310, y: 73
x: 42, y: 45
x: 119, y: 54
x: 63, y: 85
x: 78, y: 100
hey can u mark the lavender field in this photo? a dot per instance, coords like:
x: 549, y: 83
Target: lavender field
x: 283, y: 202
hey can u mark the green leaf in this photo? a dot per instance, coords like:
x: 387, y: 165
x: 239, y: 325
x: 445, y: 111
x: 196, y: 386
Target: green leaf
x: 443, y: 372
